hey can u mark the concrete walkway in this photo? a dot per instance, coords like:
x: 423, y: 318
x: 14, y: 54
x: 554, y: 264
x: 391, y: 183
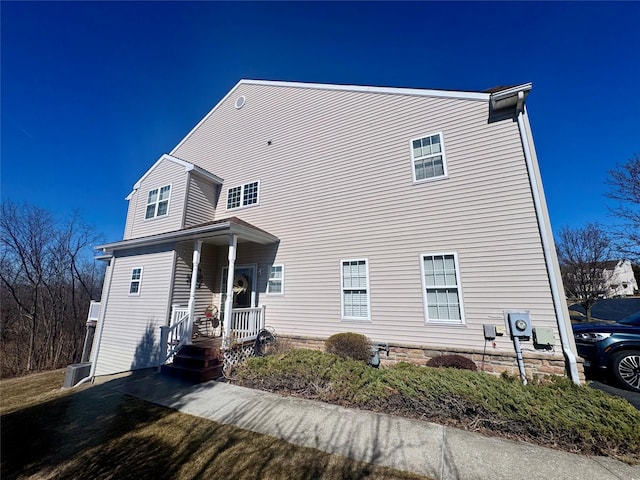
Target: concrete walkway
x: 410, y: 445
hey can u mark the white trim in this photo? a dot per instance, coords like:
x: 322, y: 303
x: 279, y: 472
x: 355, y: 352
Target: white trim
x: 223, y: 228
x: 281, y: 292
x: 479, y: 96
x: 428, y: 320
x: 242, y: 189
x: 139, y: 280
x: 157, y: 203
x: 442, y: 154
x: 342, y: 290
x: 370, y: 89
x: 187, y: 168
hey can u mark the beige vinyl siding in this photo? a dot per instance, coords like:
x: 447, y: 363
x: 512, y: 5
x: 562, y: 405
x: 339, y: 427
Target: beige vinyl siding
x: 336, y: 183
x: 131, y: 333
x: 166, y: 173
x: 201, y: 201
x: 184, y: 262
x: 131, y: 210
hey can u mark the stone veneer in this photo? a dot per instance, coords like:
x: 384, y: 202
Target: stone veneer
x: 494, y: 362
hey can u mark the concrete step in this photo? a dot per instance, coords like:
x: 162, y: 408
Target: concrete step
x: 195, y: 361
x: 192, y: 375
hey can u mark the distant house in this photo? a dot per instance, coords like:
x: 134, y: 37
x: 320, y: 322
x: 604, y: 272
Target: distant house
x: 620, y: 280
x: 412, y: 216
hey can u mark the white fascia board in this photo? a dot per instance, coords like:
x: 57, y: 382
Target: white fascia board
x: 206, y: 116
x: 206, y: 174
x: 525, y: 87
x: 223, y: 228
x: 366, y: 89
x: 187, y: 168
x: 479, y: 96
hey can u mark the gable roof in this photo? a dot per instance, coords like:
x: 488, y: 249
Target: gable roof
x: 455, y: 94
x: 188, y: 167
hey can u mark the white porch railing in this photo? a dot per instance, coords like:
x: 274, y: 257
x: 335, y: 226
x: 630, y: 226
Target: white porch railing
x: 176, y: 335
x: 246, y: 323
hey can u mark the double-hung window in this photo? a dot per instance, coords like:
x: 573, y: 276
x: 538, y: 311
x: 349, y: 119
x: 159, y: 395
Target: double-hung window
x: 242, y: 195
x: 355, y: 289
x: 427, y: 156
x: 275, y: 284
x: 441, y: 288
x: 158, y: 202
x: 136, y: 280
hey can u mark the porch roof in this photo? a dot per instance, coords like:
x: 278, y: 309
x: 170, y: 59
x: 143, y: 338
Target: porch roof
x: 215, y: 232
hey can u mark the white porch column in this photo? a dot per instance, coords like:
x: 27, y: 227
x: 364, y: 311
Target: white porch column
x: 197, y: 246
x: 228, y: 304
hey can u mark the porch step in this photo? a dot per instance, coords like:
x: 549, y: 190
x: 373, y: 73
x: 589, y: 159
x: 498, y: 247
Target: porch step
x: 198, y: 362
x: 199, y: 351
x: 192, y: 375
x: 195, y: 361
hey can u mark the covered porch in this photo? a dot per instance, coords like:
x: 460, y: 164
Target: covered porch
x: 211, y: 297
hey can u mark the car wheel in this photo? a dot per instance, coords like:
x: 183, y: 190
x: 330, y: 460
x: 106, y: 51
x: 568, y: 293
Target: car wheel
x: 626, y: 368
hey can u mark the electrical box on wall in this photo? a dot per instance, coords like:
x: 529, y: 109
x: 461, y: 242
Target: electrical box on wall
x: 519, y: 324
x: 489, y: 331
x: 543, y: 338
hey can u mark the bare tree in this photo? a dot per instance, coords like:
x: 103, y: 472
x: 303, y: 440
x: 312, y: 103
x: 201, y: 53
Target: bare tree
x: 625, y: 180
x: 46, y: 280
x: 582, y: 253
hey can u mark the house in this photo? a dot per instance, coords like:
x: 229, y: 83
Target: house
x: 412, y: 216
x: 620, y: 280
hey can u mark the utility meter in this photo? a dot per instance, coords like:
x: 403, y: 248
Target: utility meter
x: 520, y: 324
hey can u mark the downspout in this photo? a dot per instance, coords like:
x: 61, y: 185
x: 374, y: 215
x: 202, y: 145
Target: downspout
x: 98, y: 338
x: 547, y: 241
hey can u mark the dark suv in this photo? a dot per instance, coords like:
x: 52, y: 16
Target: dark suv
x: 611, y: 348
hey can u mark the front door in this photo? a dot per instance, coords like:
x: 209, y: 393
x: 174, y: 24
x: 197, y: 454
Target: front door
x: 244, y: 286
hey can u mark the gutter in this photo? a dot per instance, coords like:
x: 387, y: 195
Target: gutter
x: 548, y: 245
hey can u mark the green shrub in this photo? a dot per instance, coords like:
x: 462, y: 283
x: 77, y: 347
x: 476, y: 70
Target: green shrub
x: 453, y: 361
x: 554, y: 413
x: 349, y: 345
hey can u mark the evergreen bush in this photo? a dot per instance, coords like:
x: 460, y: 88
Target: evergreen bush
x: 349, y: 345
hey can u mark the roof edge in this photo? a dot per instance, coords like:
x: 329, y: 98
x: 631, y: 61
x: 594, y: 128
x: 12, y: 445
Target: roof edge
x: 455, y: 94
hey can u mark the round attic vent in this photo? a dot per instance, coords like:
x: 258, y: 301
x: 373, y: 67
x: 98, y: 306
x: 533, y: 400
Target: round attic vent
x: 240, y: 101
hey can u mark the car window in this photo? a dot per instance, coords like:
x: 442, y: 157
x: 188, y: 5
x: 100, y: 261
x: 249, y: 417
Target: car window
x: 633, y: 319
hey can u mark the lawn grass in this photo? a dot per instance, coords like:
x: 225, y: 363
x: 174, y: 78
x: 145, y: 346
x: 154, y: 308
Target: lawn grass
x: 96, y: 432
x: 554, y: 413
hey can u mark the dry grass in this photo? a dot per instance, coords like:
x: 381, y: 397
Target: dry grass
x: 99, y: 433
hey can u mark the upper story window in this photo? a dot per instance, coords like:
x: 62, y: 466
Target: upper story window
x: 427, y: 154
x: 158, y: 202
x: 441, y: 288
x: 355, y: 289
x: 243, y: 195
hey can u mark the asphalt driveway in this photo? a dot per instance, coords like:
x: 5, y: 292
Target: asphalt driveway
x: 632, y: 397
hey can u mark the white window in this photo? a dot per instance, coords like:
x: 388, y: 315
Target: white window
x: 355, y: 289
x: 158, y: 202
x: 136, y: 279
x: 275, y: 284
x: 243, y: 195
x: 427, y: 156
x: 441, y: 288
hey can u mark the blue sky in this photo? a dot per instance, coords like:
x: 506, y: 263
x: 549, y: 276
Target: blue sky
x: 93, y: 93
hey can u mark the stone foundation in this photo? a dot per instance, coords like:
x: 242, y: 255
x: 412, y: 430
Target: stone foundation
x: 494, y: 362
